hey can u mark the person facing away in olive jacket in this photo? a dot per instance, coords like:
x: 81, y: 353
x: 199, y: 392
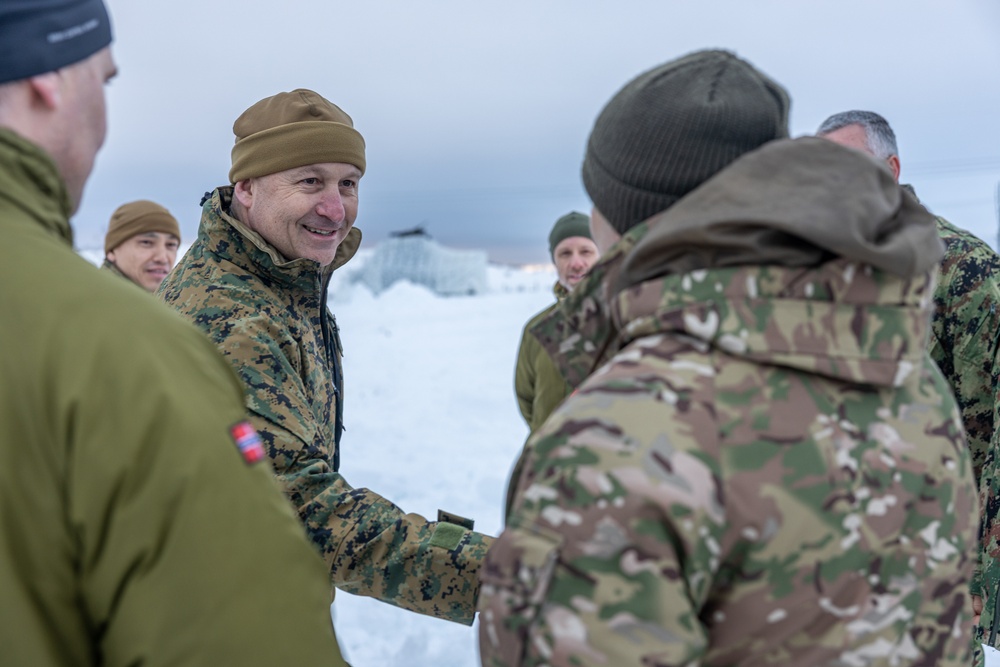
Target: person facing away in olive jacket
x: 139, y: 524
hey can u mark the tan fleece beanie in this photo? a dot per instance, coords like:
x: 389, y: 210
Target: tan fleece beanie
x: 291, y: 130
x: 139, y: 217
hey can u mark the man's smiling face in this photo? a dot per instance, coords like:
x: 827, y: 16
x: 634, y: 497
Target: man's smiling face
x: 305, y: 212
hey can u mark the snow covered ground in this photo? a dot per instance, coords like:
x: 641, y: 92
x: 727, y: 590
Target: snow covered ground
x: 431, y: 422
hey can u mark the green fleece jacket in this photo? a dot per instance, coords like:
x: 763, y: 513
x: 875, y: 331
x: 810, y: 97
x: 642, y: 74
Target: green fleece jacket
x: 133, y: 531
x: 539, y: 385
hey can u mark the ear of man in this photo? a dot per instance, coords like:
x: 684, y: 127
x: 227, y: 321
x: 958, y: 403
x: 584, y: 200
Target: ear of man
x: 243, y: 192
x: 46, y: 90
x: 894, y: 166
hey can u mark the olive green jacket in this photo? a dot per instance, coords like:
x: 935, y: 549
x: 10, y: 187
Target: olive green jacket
x: 269, y: 317
x: 539, y: 385
x: 132, y: 530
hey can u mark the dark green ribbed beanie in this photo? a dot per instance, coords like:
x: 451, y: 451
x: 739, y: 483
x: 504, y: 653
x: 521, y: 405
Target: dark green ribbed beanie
x: 672, y: 128
x: 571, y: 224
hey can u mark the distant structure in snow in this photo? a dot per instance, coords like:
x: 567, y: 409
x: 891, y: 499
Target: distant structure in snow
x: 416, y: 231
x: 413, y: 255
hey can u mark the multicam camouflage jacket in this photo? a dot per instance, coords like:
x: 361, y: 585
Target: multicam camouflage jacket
x: 269, y: 318
x: 965, y: 344
x: 765, y: 469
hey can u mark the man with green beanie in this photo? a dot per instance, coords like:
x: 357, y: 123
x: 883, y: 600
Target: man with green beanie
x: 759, y: 463
x: 141, y: 243
x: 139, y: 524
x: 537, y: 382
x: 256, y: 281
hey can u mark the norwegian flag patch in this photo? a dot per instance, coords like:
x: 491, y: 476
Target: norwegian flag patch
x: 248, y: 442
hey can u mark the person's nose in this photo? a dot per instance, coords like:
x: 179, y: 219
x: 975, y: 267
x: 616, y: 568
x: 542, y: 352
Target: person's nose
x: 331, y: 206
x: 161, y: 255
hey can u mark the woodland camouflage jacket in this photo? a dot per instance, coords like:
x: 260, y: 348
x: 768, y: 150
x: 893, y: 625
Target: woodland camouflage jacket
x: 766, y: 470
x: 269, y: 318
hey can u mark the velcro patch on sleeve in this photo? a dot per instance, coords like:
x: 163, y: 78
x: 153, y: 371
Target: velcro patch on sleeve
x: 248, y: 442
x: 447, y: 535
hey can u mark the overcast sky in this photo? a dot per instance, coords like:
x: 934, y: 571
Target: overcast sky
x: 476, y: 114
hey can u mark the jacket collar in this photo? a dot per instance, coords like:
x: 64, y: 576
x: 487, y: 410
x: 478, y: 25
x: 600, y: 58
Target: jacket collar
x: 30, y: 181
x: 559, y: 291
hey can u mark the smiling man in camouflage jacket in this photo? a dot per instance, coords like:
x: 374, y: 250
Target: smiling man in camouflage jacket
x: 256, y: 282
x: 765, y: 468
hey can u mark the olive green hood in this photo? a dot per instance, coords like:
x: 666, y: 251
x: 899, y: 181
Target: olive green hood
x: 793, y: 202
x: 825, y: 214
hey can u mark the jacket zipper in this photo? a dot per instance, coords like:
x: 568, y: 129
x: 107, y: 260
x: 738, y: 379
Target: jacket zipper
x: 996, y: 617
x: 330, y: 348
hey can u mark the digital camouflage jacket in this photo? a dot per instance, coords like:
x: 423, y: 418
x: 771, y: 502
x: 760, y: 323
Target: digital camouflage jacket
x: 767, y: 470
x: 132, y: 530
x: 269, y: 318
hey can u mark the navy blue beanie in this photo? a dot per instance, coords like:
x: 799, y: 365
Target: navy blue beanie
x: 39, y: 36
